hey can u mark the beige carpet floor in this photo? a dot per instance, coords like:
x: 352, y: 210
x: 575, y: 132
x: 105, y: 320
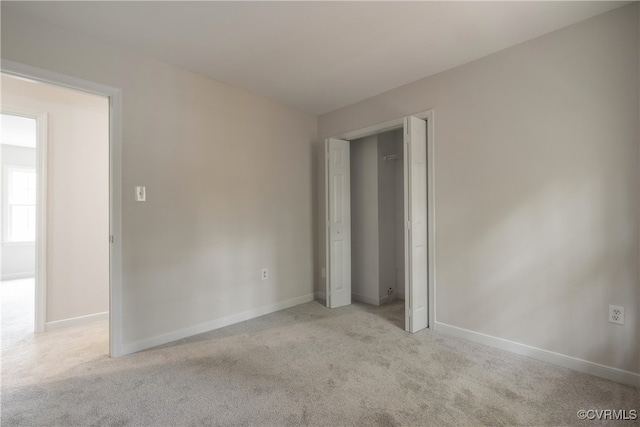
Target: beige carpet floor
x: 307, y: 365
x: 17, y: 310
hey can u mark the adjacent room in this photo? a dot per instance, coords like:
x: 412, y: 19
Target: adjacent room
x: 19, y: 136
x: 320, y: 213
x: 55, y: 197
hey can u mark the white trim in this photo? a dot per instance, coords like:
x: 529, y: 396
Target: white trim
x: 386, y: 299
x: 429, y: 116
x: 374, y: 130
x: 42, y: 144
x: 383, y: 127
x: 581, y: 365
x: 327, y: 238
x: 365, y: 299
x: 42, y: 148
x: 405, y: 222
x: 41, y: 75
x: 76, y: 321
x: 213, y: 324
x: 382, y: 300
x: 16, y: 276
x: 115, y: 180
x: 115, y: 225
x: 4, y: 244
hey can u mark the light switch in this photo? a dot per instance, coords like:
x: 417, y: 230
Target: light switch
x: 141, y: 194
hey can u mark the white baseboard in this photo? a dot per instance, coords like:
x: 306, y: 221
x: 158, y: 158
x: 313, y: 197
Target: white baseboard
x: 76, y: 321
x: 213, y: 324
x: 365, y: 299
x: 603, y: 371
x: 386, y: 299
x: 16, y: 276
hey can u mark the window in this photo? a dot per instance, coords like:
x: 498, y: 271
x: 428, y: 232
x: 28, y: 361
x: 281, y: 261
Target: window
x: 20, y: 218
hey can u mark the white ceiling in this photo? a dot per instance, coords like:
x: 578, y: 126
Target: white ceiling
x: 315, y: 56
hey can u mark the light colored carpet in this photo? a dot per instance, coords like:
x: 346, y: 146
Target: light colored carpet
x: 17, y: 308
x: 307, y: 365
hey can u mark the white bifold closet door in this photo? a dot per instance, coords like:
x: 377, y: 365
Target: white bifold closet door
x: 338, y: 214
x: 416, y: 249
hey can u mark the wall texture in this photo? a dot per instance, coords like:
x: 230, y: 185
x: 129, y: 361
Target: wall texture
x: 365, y: 242
x: 77, y: 195
x: 537, y: 188
x: 387, y: 213
x: 228, y: 177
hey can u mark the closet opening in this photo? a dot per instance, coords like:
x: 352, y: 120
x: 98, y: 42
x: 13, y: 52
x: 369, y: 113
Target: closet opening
x: 377, y: 223
x: 386, y: 265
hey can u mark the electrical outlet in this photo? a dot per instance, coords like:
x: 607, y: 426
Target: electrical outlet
x: 616, y: 314
x: 265, y: 274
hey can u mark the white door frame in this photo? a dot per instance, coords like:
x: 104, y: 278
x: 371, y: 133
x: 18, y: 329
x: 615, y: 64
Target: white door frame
x: 40, y: 294
x: 398, y: 124
x: 115, y: 183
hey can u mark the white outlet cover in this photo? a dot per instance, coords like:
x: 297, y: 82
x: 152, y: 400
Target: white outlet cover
x: 265, y: 274
x: 616, y: 314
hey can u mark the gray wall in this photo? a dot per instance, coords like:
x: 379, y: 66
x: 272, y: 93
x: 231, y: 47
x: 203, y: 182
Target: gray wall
x: 537, y: 188
x: 399, y: 207
x: 389, y: 206
x: 18, y: 259
x: 365, y: 241
x: 229, y: 185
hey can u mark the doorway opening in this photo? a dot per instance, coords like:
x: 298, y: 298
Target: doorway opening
x: 114, y: 96
x: 18, y: 229
x: 377, y: 223
x: 56, y: 208
x: 418, y: 219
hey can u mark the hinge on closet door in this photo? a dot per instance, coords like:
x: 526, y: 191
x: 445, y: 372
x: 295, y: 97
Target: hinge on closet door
x: 111, y: 238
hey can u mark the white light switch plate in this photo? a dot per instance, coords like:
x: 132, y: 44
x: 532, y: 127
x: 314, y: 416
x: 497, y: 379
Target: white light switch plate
x: 141, y: 194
